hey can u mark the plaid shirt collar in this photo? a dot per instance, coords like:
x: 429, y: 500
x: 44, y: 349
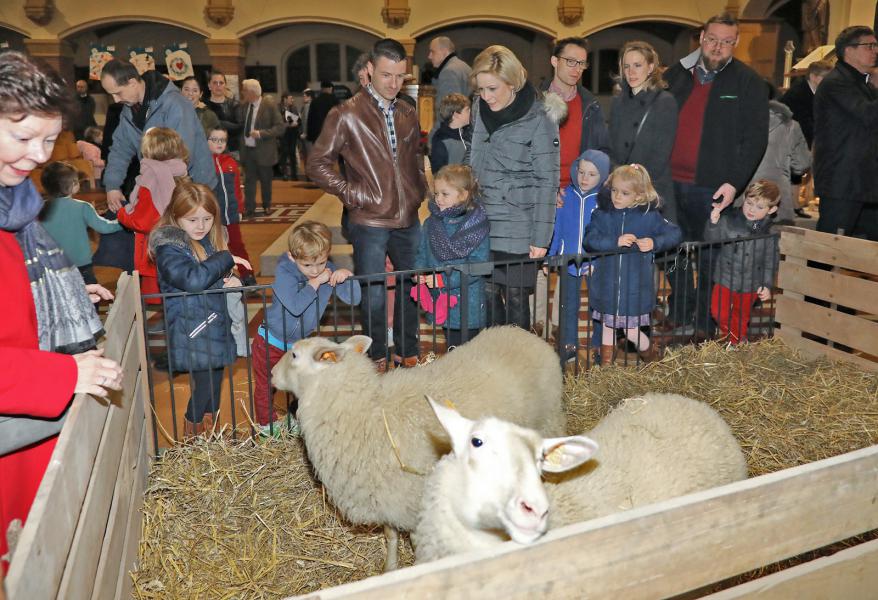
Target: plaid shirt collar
x: 388, y: 116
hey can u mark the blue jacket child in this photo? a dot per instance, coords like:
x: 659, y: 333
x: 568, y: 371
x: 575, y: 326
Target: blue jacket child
x: 571, y: 219
x: 456, y: 236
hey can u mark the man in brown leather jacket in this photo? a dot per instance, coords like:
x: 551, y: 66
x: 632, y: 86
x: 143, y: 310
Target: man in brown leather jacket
x: 382, y: 187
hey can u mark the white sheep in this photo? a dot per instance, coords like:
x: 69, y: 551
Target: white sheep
x: 489, y: 490
x: 351, y: 417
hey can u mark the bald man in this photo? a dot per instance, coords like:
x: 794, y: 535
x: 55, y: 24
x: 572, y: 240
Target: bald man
x: 451, y: 74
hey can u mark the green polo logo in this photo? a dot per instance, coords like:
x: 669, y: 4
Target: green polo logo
x: 728, y: 97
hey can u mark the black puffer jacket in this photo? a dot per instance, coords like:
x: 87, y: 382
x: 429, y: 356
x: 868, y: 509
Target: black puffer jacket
x: 198, y: 339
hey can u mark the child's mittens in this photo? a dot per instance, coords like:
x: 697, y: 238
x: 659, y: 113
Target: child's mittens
x: 421, y: 293
x: 443, y: 304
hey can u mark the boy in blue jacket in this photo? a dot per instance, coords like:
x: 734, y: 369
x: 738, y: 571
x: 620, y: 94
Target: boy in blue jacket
x: 587, y: 176
x: 303, y: 286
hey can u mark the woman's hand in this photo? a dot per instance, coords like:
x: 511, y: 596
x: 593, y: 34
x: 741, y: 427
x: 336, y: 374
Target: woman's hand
x: 645, y: 244
x: 626, y: 239
x: 536, y: 252
x: 96, y: 374
x: 97, y: 292
x: 242, y: 261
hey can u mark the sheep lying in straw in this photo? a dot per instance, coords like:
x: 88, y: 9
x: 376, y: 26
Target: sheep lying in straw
x: 489, y: 489
x: 372, y: 439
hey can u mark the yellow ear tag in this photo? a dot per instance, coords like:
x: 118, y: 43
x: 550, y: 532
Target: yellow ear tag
x: 329, y: 355
x: 555, y: 456
x: 449, y: 404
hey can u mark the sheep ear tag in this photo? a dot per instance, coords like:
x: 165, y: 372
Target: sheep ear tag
x: 563, y: 454
x: 327, y: 356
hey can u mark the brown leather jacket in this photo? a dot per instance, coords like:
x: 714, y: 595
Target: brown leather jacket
x: 378, y: 190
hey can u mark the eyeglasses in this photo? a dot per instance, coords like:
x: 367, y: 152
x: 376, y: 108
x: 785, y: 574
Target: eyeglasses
x: 869, y: 45
x: 573, y: 63
x: 217, y: 140
x: 709, y: 40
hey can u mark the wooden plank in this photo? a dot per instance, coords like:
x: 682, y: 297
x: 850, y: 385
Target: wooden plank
x: 82, y: 562
x: 854, y: 292
x: 133, y: 529
x: 841, y: 251
x: 660, y: 550
x: 824, y: 322
x: 47, y: 535
x: 140, y: 328
x: 107, y: 574
x: 850, y: 573
x: 814, y: 349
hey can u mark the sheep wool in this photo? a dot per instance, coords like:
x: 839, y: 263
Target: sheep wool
x: 348, y: 413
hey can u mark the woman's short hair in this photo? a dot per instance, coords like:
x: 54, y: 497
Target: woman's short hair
x: 501, y: 62
x: 452, y: 103
x: 655, y: 79
x: 28, y: 87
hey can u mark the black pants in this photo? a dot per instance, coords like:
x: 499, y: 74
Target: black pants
x: 511, y: 285
x: 851, y: 217
x: 455, y: 336
x: 254, y: 172
x: 206, y: 386
x: 288, y: 144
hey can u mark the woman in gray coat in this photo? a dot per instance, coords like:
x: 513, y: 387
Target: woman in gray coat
x: 643, y: 120
x: 515, y: 157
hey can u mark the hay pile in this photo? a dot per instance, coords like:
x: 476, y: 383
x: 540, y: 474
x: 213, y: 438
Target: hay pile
x: 785, y: 410
x: 247, y: 520
x: 237, y: 520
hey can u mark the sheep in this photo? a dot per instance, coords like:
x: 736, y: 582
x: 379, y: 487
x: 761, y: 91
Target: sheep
x: 372, y: 439
x: 489, y: 490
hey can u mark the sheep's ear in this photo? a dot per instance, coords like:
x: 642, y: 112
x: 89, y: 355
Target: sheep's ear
x: 565, y: 453
x: 457, y: 426
x: 358, y: 343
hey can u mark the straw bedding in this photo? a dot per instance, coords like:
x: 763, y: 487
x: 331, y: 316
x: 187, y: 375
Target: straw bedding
x: 247, y: 519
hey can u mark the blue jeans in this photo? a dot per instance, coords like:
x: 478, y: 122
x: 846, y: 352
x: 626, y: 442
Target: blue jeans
x: 689, y: 301
x: 371, y: 245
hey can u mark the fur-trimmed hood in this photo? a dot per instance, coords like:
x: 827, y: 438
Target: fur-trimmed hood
x: 554, y: 106
x: 167, y: 235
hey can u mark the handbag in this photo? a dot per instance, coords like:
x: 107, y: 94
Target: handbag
x: 19, y: 432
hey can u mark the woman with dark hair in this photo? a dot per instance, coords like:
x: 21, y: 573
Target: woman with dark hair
x: 643, y: 120
x: 48, y: 329
x: 515, y: 157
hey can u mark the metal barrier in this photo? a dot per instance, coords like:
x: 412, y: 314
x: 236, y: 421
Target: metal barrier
x: 545, y: 296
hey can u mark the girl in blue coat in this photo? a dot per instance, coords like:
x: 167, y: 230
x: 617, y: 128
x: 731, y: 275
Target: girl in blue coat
x: 455, y: 233
x: 190, y: 252
x: 587, y: 176
x: 622, y: 288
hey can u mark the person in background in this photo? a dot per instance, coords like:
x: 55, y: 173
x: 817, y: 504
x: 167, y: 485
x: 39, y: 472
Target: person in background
x: 319, y: 109
x: 288, y: 163
x: 360, y: 70
x: 224, y: 105
x: 228, y: 195
x: 800, y: 97
x: 190, y: 254
x: 450, y: 74
x: 304, y: 284
x: 68, y: 220
x: 85, y: 116
x: 453, y: 139
x: 191, y: 90
x: 304, y: 144
x: 90, y: 148
x: 48, y: 318
x: 262, y: 128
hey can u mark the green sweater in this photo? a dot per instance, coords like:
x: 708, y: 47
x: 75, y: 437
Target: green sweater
x: 67, y: 220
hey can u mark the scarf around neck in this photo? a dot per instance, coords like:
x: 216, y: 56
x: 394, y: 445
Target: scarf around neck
x: 66, y: 318
x: 460, y: 244
x: 158, y: 177
x: 519, y: 106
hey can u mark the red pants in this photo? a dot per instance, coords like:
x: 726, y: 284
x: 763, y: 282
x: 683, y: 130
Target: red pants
x: 236, y: 246
x: 262, y: 389
x: 731, y: 311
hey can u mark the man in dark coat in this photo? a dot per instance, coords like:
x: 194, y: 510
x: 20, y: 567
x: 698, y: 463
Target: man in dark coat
x: 846, y: 138
x: 85, y: 116
x: 320, y: 107
x: 800, y: 97
x: 722, y: 133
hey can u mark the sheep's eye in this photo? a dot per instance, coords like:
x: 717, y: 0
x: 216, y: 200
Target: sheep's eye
x: 476, y: 442
x: 293, y: 355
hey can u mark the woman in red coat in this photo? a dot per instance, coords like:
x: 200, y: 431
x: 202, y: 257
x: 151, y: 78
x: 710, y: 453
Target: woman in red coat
x: 48, y: 323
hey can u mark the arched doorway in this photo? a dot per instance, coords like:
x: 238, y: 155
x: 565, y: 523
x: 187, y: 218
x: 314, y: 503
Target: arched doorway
x: 300, y: 55
x: 11, y: 39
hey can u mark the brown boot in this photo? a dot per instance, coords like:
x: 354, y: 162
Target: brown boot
x: 208, y: 423
x: 607, y: 351
x: 651, y: 354
x: 190, y: 429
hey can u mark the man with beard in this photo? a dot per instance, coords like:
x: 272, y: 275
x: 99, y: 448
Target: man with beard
x: 722, y: 133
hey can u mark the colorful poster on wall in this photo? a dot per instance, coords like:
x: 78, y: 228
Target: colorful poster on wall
x: 178, y: 61
x: 141, y: 58
x: 97, y: 58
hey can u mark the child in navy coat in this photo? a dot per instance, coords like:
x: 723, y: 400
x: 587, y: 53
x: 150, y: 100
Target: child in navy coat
x: 622, y: 288
x: 587, y: 176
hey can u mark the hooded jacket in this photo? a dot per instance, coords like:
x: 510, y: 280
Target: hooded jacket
x: 574, y: 216
x: 199, y: 328
x: 228, y: 187
x: 623, y: 284
x: 449, y: 146
x: 518, y: 168
x: 743, y: 266
x: 595, y: 135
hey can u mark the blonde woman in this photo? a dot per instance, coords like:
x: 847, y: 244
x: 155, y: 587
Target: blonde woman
x: 643, y: 119
x: 515, y: 157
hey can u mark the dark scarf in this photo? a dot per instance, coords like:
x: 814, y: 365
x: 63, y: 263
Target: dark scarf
x: 522, y: 102
x: 66, y: 319
x: 155, y: 84
x: 472, y: 231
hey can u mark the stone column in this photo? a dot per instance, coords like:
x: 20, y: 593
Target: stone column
x: 227, y: 56
x: 57, y: 53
